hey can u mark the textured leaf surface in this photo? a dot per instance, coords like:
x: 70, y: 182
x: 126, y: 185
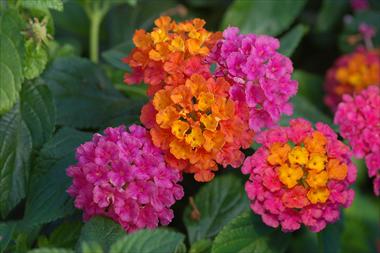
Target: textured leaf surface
x: 247, y: 233
x: 11, y: 51
x: 28, y: 125
x: 36, y: 58
x: 149, y: 241
x: 51, y: 250
x: 101, y: 231
x: 47, y: 199
x: 85, y: 98
x: 262, y: 17
x: 43, y: 4
x: 218, y: 202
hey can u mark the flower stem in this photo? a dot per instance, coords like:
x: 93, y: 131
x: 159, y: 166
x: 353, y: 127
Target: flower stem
x: 95, y: 20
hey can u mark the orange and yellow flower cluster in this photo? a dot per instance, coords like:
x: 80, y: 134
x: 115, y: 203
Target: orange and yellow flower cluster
x: 198, y: 126
x: 297, y: 173
x: 170, y: 53
x: 191, y: 116
x: 351, y: 74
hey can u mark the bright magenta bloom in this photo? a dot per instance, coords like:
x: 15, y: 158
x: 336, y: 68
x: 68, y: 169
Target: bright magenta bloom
x: 260, y: 76
x: 299, y: 176
x: 359, y: 120
x: 122, y: 175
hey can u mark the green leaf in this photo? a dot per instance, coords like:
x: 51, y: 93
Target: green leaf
x: 85, y: 98
x: 43, y: 4
x: 36, y: 58
x: 247, y: 233
x: 11, y: 51
x: 66, y: 234
x: 47, y: 199
x: 262, y: 17
x: 92, y: 247
x: 218, y: 202
x: 115, y: 55
x: 6, y: 233
x: 149, y: 241
x: 302, y: 108
x: 102, y: 231
x: 28, y: 125
x: 201, y: 246
x: 51, y: 250
x: 330, y: 238
x: 331, y: 12
x: 310, y: 86
x: 291, y: 39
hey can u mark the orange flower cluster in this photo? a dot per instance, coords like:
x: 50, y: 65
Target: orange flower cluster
x: 170, y: 53
x: 306, y: 167
x: 198, y: 126
x: 352, y: 73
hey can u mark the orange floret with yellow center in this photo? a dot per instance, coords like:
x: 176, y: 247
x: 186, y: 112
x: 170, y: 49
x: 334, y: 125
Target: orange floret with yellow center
x: 306, y: 165
x: 198, y: 126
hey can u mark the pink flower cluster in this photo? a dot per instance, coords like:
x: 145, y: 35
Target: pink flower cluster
x: 291, y: 206
x: 260, y: 76
x: 359, y: 120
x: 122, y: 175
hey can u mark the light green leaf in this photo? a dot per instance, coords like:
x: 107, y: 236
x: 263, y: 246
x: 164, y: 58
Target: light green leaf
x: 291, y: 39
x: 11, y: 60
x: 247, y: 233
x: 149, y: 241
x: 51, y: 250
x: 85, y: 98
x: 218, y: 202
x: 201, y: 246
x: 28, y: 125
x: 262, y: 17
x: 102, y: 231
x: 43, y: 4
x: 47, y: 199
x: 36, y: 58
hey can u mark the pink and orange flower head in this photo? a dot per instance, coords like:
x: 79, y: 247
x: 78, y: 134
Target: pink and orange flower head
x: 198, y: 126
x: 259, y: 75
x: 300, y: 175
x: 122, y: 175
x: 358, y: 118
x: 170, y: 53
x: 351, y: 74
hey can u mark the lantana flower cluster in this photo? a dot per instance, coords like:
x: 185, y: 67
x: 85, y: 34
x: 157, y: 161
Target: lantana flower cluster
x: 200, y: 118
x: 198, y: 126
x: 299, y: 176
x: 351, y: 74
x: 122, y: 175
x: 358, y: 117
x: 170, y: 53
x: 259, y: 75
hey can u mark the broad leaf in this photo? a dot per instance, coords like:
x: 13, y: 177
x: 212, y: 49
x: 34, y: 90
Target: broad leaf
x: 329, y: 239
x: 310, y: 86
x: 247, y: 233
x: 291, y: 39
x: 43, y: 4
x: 6, y: 233
x: 217, y: 202
x: 28, y: 125
x: 11, y: 60
x: 149, y: 241
x: 101, y: 231
x: 65, y: 235
x: 262, y: 17
x: 85, y: 98
x: 51, y: 250
x: 36, y: 58
x: 47, y: 199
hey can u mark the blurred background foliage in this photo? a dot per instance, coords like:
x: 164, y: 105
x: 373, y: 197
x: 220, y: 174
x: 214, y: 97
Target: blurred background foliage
x: 83, y: 72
